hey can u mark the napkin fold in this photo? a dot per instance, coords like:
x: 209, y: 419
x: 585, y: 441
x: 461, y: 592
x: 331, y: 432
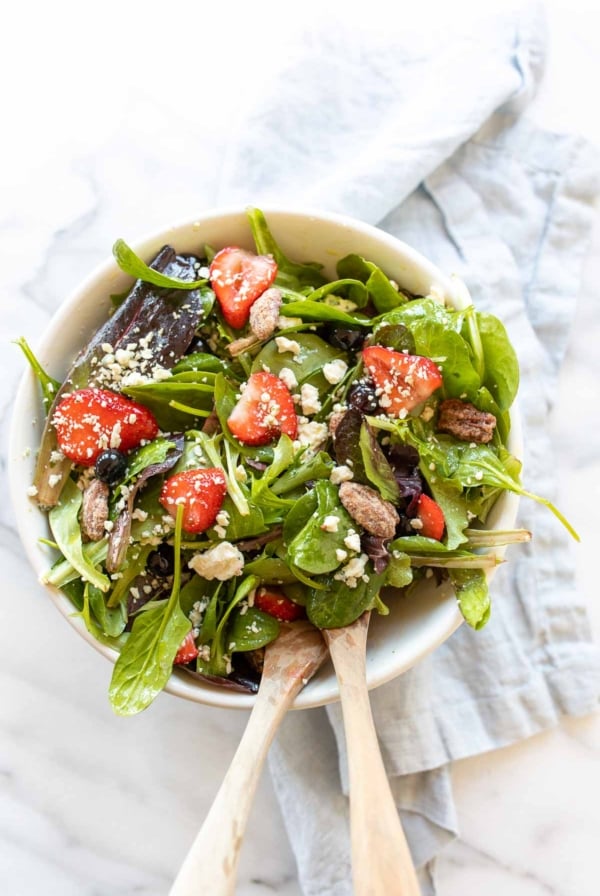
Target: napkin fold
x: 418, y: 126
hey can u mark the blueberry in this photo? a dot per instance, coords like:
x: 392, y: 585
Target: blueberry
x: 345, y: 337
x: 362, y: 397
x: 161, y: 562
x: 111, y: 466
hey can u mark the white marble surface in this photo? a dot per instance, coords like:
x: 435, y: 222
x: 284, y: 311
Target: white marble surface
x: 93, y: 805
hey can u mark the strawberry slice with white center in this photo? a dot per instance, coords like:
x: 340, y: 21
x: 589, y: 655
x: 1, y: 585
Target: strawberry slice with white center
x: 402, y: 381
x: 238, y: 278
x: 264, y: 411
x: 431, y: 516
x: 201, y: 492
x: 88, y: 421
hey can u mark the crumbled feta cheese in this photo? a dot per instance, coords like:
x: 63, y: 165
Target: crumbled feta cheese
x: 330, y: 523
x: 56, y: 457
x: 54, y: 479
x: 223, y: 518
x: 478, y: 475
x: 311, y: 434
x: 334, y: 371
x: 32, y: 491
x: 287, y: 345
x: 284, y: 323
x: 352, y: 571
x: 222, y: 562
x: 340, y: 554
x: 309, y: 396
x: 341, y: 474
x: 109, y: 525
x: 139, y: 514
x: 352, y: 541
x: 427, y: 413
x: 288, y: 378
x: 416, y: 523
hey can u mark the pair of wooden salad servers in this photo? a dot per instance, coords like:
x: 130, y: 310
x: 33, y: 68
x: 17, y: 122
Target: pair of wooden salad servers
x: 381, y: 861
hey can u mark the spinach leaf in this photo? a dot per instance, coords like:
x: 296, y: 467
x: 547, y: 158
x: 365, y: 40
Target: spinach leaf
x: 313, y: 549
x: 424, y: 309
x: 132, y: 264
x: 48, y: 384
x: 338, y: 605
x: 240, y: 525
x: 451, y: 352
x: 289, y: 273
x: 313, y: 355
x: 384, y: 296
x: 270, y: 571
x: 91, y: 624
x: 199, y: 361
x: 318, y: 466
x: 111, y: 621
x: 218, y: 649
x: 377, y: 467
x: 398, y: 573
x: 64, y: 523
x: 146, y: 661
x: 322, y: 313
x: 473, y: 596
x: 135, y: 566
x: 159, y: 398
x: 395, y: 336
x: 501, y: 363
x: 251, y: 630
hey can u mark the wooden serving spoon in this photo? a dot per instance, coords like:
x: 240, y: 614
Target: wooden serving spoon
x: 211, y: 864
x: 381, y: 861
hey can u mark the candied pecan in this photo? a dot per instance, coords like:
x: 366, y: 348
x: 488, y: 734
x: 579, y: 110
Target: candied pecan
x: 94, y: 510
x: 211, y: 424
x: 465, y: 422
x: 370, y: 511
x: 264, y: 313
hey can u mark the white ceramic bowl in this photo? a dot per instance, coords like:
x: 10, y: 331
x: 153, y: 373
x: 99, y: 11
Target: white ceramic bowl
x: 416, y: 625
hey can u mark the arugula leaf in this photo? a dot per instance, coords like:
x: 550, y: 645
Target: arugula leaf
x: 64, y: 523
x: 132, y: 264
x: 48, y: 384
x: 146, y: 662
x: 377, y: 467
x: 251, y: 630
x: 472, y: 594
x: 480, y: 466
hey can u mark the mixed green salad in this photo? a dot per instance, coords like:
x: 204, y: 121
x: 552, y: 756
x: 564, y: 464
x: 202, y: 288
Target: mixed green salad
x: 245, y: 442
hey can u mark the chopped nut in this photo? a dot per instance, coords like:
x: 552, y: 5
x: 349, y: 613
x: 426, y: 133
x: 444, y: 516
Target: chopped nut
x: 264, y: 313
x: 94, y: 510
x: 364, y: 505
x: 465, y: 422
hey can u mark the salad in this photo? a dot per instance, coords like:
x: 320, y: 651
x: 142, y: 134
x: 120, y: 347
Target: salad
x: 245, y: 442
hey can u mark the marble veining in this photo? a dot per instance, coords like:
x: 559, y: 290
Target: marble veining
x: 93, y: 805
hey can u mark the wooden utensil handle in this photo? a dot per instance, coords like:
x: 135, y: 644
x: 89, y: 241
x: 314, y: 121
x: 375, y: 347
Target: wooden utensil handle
x: 211, y: 864
x: 381, y: 860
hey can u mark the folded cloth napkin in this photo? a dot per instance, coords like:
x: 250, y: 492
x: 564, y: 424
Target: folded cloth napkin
x: 419, y: 129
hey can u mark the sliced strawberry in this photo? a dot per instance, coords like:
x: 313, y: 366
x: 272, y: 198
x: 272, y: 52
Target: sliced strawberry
x: 238, y: 279
x: 200, y: 491
x: 89, y: 421
x: 402, y: 381
x: 276, y: 604
x: 265, y: 409
x: 187, y: 651
x: 432, y: 517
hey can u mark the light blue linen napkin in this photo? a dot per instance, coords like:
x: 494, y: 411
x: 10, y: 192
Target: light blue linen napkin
x: 420, y: 130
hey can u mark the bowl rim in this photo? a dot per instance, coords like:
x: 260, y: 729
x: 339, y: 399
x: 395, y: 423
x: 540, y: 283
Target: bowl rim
x: 180, y: 683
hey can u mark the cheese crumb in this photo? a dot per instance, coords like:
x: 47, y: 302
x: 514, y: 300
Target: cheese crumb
x: 330, y: 523
x: 311, y: 435
x: 54, y: 479
x: 340, y: 554
x: 32, y: 491
x: 288, y: 378
x: 287, y: 345
x: 353, y: 571
x: 352, y: 541
x: 341, y: 474
x: 222, y: 562
x: 334, y: 371
x: 309, y: 396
